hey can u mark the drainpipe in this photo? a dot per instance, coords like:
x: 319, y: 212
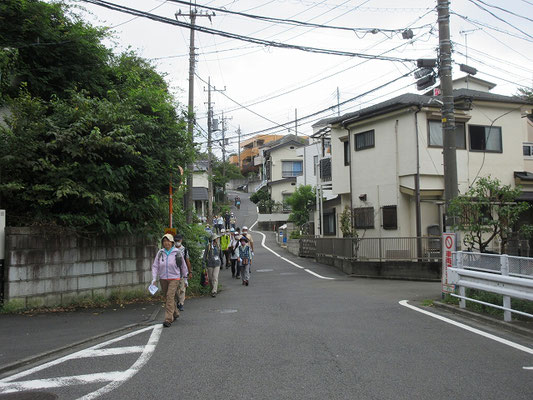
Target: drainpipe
x: 417, y: 194
x: 344, y: 125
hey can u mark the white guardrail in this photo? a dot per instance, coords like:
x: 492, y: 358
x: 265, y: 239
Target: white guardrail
x: 497, y: 273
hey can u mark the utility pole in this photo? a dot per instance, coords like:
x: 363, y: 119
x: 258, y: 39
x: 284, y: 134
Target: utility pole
x: 239, y: 135
x: 296, y: 121
x: 210, y: 156
x: 210, y: 149
x: 338, y: 103
x: 224, y: 153
x: 187, y: 200
x: 448, y: 117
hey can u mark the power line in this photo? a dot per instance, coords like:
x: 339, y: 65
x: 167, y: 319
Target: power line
x: 296, y: 22
x: 267, y: 43
x: 499, y: 18
x: 330, y: 108
x: 504, y: 10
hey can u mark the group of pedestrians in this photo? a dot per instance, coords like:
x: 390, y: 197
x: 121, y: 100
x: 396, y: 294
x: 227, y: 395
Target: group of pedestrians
x: 173, y: 268
x: 224, y: 221
x: 231, y: 248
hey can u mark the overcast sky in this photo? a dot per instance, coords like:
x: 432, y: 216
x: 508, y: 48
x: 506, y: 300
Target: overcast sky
x: 274, y: 82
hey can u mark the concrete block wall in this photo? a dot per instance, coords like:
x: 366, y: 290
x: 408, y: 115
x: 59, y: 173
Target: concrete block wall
x: 46, y: 269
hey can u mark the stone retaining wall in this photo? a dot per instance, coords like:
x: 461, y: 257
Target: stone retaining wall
x: 45, y: 269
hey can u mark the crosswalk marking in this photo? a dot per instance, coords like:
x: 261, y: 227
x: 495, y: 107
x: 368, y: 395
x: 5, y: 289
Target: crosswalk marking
x: 115, y: 378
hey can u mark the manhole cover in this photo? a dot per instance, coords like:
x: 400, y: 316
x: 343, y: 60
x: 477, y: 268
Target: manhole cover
x: 28, y: 396
x: 264, y: 270
x: 228, y: 311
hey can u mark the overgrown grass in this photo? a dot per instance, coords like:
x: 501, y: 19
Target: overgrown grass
x: 492, y: 298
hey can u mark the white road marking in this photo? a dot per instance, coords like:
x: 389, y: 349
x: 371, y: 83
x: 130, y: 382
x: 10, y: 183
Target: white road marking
x: 469, y: 328
x: 129, y: 373
x: 73, y: 355
x: 291, y: 262
x: 264, y: 270
x: 116, y: 378
x: 531, y: 368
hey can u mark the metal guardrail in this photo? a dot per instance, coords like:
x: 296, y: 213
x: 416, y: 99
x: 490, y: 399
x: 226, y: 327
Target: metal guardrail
x: 382, y: 249
x: 506, y: 275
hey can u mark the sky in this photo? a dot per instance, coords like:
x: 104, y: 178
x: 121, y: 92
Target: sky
x: 265, y: 88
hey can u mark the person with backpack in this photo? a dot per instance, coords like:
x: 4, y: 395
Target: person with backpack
x: 182, y: 287
x: 244, y: 257
x: 234, y: 243
x: 212, y: 261
x: 170, y: 267
x: 224, y: 246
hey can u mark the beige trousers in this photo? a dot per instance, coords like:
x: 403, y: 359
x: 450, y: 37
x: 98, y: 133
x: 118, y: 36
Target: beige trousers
x: 169, y: 288
x: 181, y: 291
x: 212, y: 274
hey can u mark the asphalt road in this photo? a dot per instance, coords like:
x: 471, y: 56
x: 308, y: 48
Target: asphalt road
x: 295, y: 335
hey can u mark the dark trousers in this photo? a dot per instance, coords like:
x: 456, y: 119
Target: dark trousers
x: 234, y: 267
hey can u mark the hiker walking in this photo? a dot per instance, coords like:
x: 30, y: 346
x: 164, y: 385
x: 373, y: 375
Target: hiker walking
x: 183, y: 283
x: 212, y: 261
x: 244, y: 257
x: 170, y: 268
x: 224, y: 246
x: 234, y: 243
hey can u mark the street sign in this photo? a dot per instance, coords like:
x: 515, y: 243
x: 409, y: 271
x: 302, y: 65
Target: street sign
x: 172, y: 231
x: 448, y: 246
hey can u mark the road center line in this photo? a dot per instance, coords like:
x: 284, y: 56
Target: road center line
x: 289, y: 261
x: 469, y: 328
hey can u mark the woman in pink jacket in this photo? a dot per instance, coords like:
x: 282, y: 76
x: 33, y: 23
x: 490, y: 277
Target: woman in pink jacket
x: 169, y: 267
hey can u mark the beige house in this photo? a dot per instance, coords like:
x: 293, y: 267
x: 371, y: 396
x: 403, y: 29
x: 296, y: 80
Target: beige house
x: 379, y: 153
x: 282, y: 165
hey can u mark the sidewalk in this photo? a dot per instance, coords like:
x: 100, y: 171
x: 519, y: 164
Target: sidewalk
x: 26, y: 338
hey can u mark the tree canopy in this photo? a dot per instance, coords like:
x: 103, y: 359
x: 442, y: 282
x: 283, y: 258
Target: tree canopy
x: 91, y: 138
x: 488, y: 210
x: 302, y: 201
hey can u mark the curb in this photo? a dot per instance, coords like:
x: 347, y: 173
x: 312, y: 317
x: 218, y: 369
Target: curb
x: 33, y: 359
x: 484, y: 318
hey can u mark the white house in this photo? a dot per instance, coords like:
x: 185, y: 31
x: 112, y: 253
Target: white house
x: 380, y: 153
x: 282, y: 165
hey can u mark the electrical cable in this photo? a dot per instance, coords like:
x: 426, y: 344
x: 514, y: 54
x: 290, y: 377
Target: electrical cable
x: 504, y: 10
x: 498, y: 18
x: 296, y: 22
x: 131, y: 19
x: 330, y: 108
x: 267, y: 43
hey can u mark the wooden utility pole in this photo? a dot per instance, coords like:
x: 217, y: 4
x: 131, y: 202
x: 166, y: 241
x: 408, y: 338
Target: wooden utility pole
x: 209, y: 154
x: 187, y: 200
x: 448, y: 117
x: 239, y: 144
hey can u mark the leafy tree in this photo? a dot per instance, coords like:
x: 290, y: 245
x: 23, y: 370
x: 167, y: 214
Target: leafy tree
x: 263, y: 200
x: 95, y: 155
x: 57, y: 50
x: 224, y: 172
x: 488, y: 210
x: 346, y: 223
x: 302, y: 201
x: 526, y: 93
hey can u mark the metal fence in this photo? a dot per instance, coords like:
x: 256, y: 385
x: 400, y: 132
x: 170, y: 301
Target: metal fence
x: 509, y: 276
x: 382, y: 249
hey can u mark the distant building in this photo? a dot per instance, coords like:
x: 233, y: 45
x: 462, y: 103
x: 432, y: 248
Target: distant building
x: 249, y: 151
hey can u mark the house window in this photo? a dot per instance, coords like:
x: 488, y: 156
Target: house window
x: 364, y: 217
x: 485, y: 138
x: 527, y: 148
x: 330, y: 226
x: 364, y: 140
x: 285, y: 196
x: 326, y: 147
x: 346, y: 153
x: 315, y: 164
x: 390, y: 217
x: 435, y: 134
x: 290, y: 169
